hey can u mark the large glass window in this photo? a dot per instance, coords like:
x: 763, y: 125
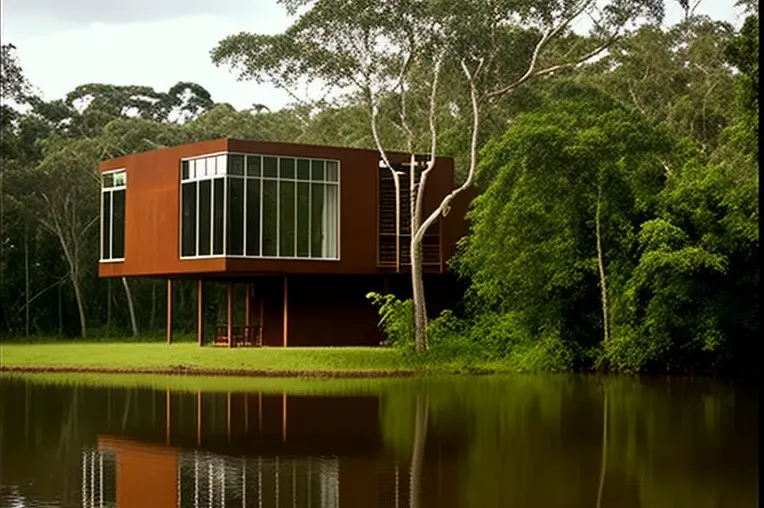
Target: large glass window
x: 113, y: 190
x: 259, y: 206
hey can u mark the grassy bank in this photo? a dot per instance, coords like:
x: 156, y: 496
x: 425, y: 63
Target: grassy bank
x: 188, y: 357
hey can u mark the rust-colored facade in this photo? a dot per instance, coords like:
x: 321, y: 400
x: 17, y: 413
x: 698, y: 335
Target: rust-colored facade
x: 296, y: 301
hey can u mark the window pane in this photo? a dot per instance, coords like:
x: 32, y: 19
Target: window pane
x: 221, y: 163
x: 253, y: 217
x: 269, y: 217
x: 106, y: 218
x: 200, y: 164
x: 235, y: 164
x: 269, y: 166
x: 317, y: 170
x: 184, y: 170
x: 217, y: 213
x: 108, y: 180
x: 331, y: 171
x: 316, y: 219
x: 118, y: 225
x: 303, y: 169
x: 253, y: 165
x: 286, y: 222
x: 235, y: 218
x: 188, y: 219
x: 205, y: 218
x: 303, y: 219
x: 210, y: 166
x: 330, y: 222
x: 120, y: 179
x: 286, y: 167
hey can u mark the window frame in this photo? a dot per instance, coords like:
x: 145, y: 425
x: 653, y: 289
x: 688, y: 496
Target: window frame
x: 110, y: 191
x: 226, y: 175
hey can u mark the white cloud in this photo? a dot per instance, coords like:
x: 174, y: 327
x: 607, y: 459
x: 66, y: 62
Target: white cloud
x: 159, y: 53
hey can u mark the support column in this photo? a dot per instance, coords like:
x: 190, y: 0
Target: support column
x: 286, y: 311
x: 229, y: 292
x: 200, y: 313
x: 169, y: 311
x: 247, y: 304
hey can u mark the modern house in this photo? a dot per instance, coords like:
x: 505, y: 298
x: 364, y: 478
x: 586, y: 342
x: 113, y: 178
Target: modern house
x: 308, y: 230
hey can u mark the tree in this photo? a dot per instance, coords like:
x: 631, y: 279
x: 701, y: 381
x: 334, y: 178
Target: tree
x: 551, y: 237
x: 392, y: 47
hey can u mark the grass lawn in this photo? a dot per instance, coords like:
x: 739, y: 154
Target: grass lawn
x: 190, y: 355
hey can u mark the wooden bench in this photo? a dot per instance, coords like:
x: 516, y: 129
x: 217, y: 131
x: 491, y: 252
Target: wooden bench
x: 241, y: 336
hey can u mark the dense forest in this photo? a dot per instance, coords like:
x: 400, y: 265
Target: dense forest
x: 616, y: 220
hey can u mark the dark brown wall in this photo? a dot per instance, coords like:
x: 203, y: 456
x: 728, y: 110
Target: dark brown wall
x: 152, y: 212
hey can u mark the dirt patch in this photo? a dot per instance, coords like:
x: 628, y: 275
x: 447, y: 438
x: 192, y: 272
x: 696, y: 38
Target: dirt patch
x: 185, y: 370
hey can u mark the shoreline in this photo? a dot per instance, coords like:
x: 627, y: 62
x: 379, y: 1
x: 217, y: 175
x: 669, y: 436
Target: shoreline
x: 181, y: 370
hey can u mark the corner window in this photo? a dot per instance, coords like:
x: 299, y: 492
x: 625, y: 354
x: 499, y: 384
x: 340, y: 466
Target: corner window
x: 113, y: 189
x: 251, y: 205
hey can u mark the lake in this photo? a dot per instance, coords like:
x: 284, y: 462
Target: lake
x: 491, y: 441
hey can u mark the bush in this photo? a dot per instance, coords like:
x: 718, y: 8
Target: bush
x: 396, y: 319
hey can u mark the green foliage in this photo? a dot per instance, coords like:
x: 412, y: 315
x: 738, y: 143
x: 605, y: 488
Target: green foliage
x: 396, y: 319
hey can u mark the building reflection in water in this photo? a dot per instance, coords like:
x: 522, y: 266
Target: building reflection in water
x: 263, y: 451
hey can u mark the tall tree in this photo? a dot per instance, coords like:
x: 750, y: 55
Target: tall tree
x: 391, y: 47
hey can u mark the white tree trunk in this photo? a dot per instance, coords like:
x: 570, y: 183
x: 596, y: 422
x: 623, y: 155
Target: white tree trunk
x: 601, y: 267
x: 130, y: 307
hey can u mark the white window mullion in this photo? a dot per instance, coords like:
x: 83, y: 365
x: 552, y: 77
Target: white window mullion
x: 196, y: 218
x: 245, y: 183
x: 225, y: 215
x: 261, y: 208
x: 111, y: 225
x: 212, y: 216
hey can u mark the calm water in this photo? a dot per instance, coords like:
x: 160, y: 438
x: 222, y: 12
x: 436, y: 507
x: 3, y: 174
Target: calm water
x: 529, y: 441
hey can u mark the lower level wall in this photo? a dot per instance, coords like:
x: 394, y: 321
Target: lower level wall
x: 333, y: 310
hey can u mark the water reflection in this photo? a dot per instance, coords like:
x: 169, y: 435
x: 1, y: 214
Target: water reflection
x: 473, y: 442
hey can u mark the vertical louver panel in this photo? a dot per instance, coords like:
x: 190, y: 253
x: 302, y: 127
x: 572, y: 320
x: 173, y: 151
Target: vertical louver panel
x: 387, y: 218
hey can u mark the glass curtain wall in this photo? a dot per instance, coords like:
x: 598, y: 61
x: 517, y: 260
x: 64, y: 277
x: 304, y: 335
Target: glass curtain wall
x: 284, y: 207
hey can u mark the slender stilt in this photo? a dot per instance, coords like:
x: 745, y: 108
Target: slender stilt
x: 200, y: 313
x: 247, y: 304
x: 229, y: 291
x: 169, y: 311
x: 286, y: 312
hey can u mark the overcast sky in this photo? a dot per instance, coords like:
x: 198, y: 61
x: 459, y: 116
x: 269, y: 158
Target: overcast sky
x: 65, y: 43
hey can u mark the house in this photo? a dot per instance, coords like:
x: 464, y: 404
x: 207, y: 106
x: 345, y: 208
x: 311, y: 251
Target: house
x: 307, y: 230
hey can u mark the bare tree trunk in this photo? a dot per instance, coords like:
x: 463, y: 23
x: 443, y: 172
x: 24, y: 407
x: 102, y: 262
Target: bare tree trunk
x: 417, y: 454
x: 60, y: 312
x: 601, y: 266
x: 80, y: 306
x: 26, y: 279
x: 130, y: 307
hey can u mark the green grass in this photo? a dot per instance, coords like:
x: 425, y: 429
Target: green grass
x: 190, y: 355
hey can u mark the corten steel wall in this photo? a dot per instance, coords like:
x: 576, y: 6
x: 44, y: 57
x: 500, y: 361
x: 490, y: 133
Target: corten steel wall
x: 152, y: 213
